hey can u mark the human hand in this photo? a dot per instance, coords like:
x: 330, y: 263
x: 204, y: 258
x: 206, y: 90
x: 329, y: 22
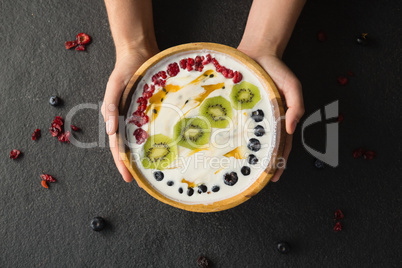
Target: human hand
x: 127, y: 62
x: 290, y: 89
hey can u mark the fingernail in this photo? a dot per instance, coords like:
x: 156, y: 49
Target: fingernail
x: 109, y: 126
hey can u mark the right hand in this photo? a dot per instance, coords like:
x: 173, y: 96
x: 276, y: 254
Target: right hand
x: 127, y: 63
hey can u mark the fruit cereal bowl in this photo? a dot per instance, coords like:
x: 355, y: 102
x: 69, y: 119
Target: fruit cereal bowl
x: 203, y: 127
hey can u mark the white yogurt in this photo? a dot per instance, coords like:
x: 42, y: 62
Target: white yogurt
x: 205, y: 166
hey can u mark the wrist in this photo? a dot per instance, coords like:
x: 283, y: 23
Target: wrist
x: 143, y: 45
x: 261, y: 47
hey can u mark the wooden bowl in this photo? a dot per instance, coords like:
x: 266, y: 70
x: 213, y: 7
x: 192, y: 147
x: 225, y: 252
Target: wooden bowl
x: 276, y: 101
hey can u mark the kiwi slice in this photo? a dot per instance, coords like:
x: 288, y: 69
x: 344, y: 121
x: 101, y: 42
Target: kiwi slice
x: 160, y: 151
x: 217, y: 110
x: 192, y: 132
x: 244, y: 95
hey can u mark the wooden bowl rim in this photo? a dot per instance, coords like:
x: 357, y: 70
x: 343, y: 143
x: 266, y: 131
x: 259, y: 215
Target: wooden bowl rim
x: 275, y: 98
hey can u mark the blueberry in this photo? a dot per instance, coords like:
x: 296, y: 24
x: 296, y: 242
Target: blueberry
x: 252, y: 159
x: 158, y: 175
x: 257, y: 115
x: 245, y: 171
x: 202, y: 262
x: 170, y: 183
x: 319, y: 164
x: 190, y: 191
x: 180, y: 190
x: 254, y: 145
x: 215, y: 188
x: 230, y: 178
x: 98, y: 224
x: 54, y: 100
x: 283, y: 247
x: 259, y: 131
x: 202, y: 188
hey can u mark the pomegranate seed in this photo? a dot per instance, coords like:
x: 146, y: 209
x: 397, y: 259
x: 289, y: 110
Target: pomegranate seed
x: 140, y: 135
x: 321, y: 36
x: 44, y: 184
x: 146, y: 87
x: 80, y: 48
x: 162, y: 74
x: 142, y: 107
x: 350, y: 73
x: 138, y: 118
x: 207, y: 59
x: 183, y: 63
x: 338, y: 214
x: 65, y: 137
x: 75, y: 128
x: 48, y: 178
x: 224, y: 72
x: 230, y: 74
x: 173, y: 69
x: 35, y: 134
x: 218, y: 68
x: 338, y: 227
x: 215, y: 62
x: 368, y: 155
x: 200, y: 68
x: 147, y: 95
x: 198, y: 60
x: 342, y: 80
x: 14, y: 154
x: 340, y: 118
x: 358, y: 152
x: 83, y: 39
x: 70, y: 44
x: 237, y: 77
x: 189, y: 67
x: 190, y: 61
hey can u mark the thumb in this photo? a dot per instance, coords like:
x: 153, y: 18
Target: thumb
x: 110, y: 105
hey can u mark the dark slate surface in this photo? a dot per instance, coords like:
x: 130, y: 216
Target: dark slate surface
x: 50, y: 228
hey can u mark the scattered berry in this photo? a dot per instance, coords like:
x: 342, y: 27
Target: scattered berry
x: 340, y: 118
x: 65, y: 137
x: 283, y: 247
x: 338, y: 214
x: 252, y: 159
x: 358, y: 152
x: 54, y: 100
x: 254, y: 145
x: 75, y: 128
x: 173, y: 69
x: 321, y: 36
x: 140, y: 135
x: 245, y: 171
x: 338, y: 227
x: 47, y: 177
x: 319, y: 164
x: 58, y: 120
x: 70, y: 44
x: 80, y: 48
x: 44, y: 184
x: 14, y: 154
x: 203, y: 262
x: 362, y: 39
x: 230, y: 178
x: 83, y: 39
x: 158, y: 175
x: 98, y: 224
x: 35, y: 134
x: 342, y: 80
x: 257, y: 115
x: 369, y: 155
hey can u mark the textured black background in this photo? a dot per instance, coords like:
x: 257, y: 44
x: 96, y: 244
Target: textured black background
x: 50, y: 228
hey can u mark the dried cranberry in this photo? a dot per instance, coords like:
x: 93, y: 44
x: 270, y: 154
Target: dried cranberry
x: 80, y: 48
x: 183, y: 63
x: 56, y: 126
x: 350, y: 73
x: 70, y: 44
x: 35, y: 134
x: 44, y: 184
x: 342, y: 80
x: 207, y: 59
x: 48, y: 178
x: 321, y: 36
x: 83, y: 38
x: 65, y: 137
x: 237, y: 77
x: 58, y: 120
x: 138, y: 118
x: 338, y: 214
x: 338, y: 227
x: 173, y: 69
x: 14, y: 154
x: 369, y: 155
x: 140, y: 135
x: 75, y: 128
x: 358, y: 152
x: 54, y: 131
x: 340, y: 118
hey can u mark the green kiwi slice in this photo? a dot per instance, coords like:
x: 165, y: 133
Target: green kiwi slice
x: 160, y: 151
x: 217, y: 110
x: 192, y: 133
x: 245, y: 95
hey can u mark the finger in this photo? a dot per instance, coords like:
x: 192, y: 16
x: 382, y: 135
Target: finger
x: 294, y: 100
x: 110, y: 105
x: 286, y: 152
x: 116, y: 156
